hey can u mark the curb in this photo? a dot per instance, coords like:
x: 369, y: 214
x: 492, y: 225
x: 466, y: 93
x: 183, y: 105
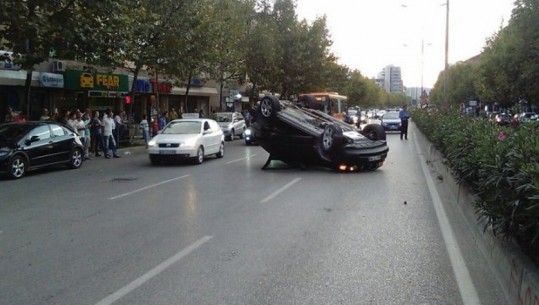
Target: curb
x: 517, y: 275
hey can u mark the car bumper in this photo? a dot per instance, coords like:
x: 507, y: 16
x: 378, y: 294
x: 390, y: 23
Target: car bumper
x: 185, y: 152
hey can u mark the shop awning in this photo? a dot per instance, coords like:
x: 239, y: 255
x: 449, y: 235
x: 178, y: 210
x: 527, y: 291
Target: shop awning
x: 12, y: 77
x: 200, y: 91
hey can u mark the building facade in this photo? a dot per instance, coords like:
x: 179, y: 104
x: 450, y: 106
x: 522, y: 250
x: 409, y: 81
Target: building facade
x: 66, y: 85
x: 390, y: 79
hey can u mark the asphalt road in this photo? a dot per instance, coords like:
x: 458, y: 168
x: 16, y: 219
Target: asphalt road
x: 120, y: 231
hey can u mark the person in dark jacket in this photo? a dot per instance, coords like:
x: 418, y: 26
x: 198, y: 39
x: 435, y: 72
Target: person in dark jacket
x: 404, y: 115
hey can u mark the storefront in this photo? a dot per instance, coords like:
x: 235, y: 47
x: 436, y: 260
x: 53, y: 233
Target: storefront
x: 48, y: 92
x: 11, y: 91
x: 95, y: 90
x: 150, y: 97
x: 200, y: 98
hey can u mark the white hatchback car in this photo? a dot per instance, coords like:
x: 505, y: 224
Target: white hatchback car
x: 187, y: 139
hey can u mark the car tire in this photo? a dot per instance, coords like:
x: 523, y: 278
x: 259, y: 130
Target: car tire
x: 331, y: 138
x: 231, y: 136
x: 268, y: 108
x: 221, y: 152
x: 199, y: 158
x: 154, y: 160
x: 374, y: 132
x: 76, y: 159
x: 17, y: 167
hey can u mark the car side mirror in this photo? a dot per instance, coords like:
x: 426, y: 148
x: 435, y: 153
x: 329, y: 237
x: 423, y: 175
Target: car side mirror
x: 32, y: 140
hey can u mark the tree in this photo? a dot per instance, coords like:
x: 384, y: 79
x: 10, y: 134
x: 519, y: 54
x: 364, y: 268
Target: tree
x: 287, y: 56
x: 233, y: 22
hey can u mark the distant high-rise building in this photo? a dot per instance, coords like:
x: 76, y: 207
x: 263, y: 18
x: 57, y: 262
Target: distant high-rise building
x: 390, y: 79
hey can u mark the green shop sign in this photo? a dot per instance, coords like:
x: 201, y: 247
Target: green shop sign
x: 81, y: 80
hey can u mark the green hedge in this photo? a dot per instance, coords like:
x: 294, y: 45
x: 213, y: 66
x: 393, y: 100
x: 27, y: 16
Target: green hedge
x: 498, y: 163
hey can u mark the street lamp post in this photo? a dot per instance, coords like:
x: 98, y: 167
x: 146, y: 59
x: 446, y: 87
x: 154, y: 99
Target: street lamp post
x: 446, y: 69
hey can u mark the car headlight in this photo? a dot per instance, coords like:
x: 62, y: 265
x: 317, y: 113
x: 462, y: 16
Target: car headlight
x: 152, y: 143
x: 3, y: 153
x: 190, y: 142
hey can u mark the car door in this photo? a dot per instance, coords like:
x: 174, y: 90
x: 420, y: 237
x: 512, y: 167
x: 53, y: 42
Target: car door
x: 62, y: 142
x: 209, y: 146
x: 215, y: 137
x: 38, y: 146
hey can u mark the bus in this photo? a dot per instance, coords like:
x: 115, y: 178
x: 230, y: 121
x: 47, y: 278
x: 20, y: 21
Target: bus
x: 331, y: 103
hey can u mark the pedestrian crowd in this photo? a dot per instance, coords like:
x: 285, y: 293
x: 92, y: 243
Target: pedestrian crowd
x: 100, y: 135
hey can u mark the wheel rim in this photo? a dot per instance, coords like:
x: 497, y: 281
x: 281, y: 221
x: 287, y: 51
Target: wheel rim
x: 200, y: 155
x: 327, y: 138
x: 76, y: 158
x: 222, y: 149
x: 17, y: 168
x: 372, y: 135
x: 265, y: 108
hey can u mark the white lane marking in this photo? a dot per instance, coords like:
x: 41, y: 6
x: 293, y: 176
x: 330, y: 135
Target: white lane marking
x: 467, y: 290
x: 155, y: 271
x: 241, y: 159
x: 146, y: 187
x: 277, y: 192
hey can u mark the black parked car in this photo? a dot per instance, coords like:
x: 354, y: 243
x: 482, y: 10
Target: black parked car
x: 26, y: 146
x: 297, y: 134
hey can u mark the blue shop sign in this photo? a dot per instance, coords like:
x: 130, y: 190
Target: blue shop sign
x: 143, y: 86
x: 51, y: 80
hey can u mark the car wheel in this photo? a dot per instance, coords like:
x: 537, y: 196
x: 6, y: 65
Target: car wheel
x: 76, y: 159
x: 268, y: 108
x: 221, y: 152
x: 17, y: 167
x: 374, y: 132
x: 154, y: 160
x: 331, y: 138
x: 199, y: 158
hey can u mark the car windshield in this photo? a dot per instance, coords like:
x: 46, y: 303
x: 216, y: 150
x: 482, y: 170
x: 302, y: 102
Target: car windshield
x: 182, y: 127
x: 13, y: 132
x: 223, y: 117
x: 391, y: 115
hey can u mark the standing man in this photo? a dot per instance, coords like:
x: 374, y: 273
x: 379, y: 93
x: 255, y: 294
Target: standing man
x: 96, y: 132
x: 404, y: 115
x: 108, y: 136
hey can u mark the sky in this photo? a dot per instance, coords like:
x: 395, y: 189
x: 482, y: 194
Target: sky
x: 371, y: 34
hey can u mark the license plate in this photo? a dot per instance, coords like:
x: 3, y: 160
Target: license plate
x: 393, y: 127
x: 375, y: 158
x: 167, y: 152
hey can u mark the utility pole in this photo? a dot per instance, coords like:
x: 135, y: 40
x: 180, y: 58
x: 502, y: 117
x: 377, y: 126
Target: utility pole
x: 446, y: 69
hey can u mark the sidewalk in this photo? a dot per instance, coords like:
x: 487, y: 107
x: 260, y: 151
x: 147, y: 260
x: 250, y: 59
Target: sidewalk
x: 518, y: 276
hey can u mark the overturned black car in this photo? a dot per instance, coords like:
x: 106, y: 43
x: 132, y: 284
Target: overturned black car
x: 299, y: 134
